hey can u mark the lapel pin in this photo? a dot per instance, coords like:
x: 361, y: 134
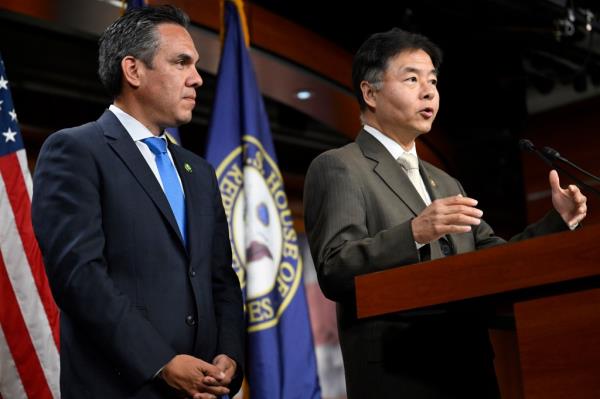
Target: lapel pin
x: 187, y: 167
x: 432, y: 183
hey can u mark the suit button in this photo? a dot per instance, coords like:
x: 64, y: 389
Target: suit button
x: 192, y: 273
x: 190, y: 321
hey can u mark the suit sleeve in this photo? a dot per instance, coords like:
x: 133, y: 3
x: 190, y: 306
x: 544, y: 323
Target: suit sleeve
x: 67, y: 218
x: 336, y: 223
x: 227, y: 294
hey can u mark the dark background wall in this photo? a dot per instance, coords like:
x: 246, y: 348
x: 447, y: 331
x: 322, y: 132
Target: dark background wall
x: 511, y: 70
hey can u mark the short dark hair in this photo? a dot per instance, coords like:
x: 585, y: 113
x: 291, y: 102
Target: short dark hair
x: 133, y: 34
x: 371, y: 59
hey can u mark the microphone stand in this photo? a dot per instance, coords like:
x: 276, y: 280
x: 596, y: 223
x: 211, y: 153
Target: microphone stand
x: 556, y: 155
x: 548, y: 158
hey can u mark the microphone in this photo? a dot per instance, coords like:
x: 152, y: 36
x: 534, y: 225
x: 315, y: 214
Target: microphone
x: 552, y: 153
x: 549, y: 155
x: 527, y: 145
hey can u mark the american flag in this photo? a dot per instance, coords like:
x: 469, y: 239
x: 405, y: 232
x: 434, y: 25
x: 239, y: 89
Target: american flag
x: 29, y: 319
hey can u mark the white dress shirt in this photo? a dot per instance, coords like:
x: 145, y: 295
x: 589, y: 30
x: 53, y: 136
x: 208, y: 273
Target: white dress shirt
x: 139, y: 132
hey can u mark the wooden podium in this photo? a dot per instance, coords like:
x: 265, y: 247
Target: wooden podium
x: 552, y: 284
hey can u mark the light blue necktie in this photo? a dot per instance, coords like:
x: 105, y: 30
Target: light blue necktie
x: 170, y: 182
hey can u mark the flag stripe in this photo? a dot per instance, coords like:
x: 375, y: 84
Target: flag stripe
x: 32, y: 323
x: 10, y: 384
x: 19, y: 196
x: 22, y: 156
x: 18, y: 340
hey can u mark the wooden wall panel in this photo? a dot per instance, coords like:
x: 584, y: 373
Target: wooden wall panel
x: 277, y: 35
x: 34, y: 8
x: 563, y: 331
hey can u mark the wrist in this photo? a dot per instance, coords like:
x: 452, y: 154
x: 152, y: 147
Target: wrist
x: 418, y: 239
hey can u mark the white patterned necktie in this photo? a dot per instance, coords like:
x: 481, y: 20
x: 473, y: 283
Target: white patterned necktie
x: 410, y: 164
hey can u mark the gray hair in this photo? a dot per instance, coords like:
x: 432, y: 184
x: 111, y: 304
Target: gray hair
x: 133, y: 34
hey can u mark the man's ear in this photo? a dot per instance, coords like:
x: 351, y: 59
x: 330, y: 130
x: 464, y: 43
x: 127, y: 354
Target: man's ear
x: 369, y: 93
x: 132, y: 69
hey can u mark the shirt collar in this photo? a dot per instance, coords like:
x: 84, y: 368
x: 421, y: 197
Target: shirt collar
x: 393, y: 148
x: 135, y: 128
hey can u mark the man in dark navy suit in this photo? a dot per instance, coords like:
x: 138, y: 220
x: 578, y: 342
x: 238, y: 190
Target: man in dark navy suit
x: 133, y: 232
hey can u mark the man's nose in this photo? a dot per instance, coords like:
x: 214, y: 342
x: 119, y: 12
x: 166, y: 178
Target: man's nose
x: 428, y: 91
x: 195, y: 79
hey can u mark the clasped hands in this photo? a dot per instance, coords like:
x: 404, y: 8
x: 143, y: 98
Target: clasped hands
x: 199, y: 379
x: 457, y: 214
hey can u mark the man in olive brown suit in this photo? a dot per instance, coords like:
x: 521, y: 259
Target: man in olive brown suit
x: 373, y: 205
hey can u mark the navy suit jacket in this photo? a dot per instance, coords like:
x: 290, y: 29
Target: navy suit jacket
x: 132, y: 296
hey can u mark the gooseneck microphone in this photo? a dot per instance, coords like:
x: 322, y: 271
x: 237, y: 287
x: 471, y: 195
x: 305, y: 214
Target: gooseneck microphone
x: 552, y: 153
x: 527, y: 145
x: 549, y: 155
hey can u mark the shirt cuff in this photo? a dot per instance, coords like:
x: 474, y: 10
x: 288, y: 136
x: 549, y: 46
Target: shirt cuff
x: 157, y: 375
x: 419, y: 246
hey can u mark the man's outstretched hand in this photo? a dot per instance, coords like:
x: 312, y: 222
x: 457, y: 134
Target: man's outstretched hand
x: 569, y: 202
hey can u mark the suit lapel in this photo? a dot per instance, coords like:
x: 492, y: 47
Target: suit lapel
x: 437, y: 189
x: 120, y: 141
x: 394, y: 177
x: 192, y: 200
x: 431, y: 182
x: 390, y: 172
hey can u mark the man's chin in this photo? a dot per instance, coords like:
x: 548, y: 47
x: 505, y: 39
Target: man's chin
x: 423, y: 130
x: 183, y: 119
